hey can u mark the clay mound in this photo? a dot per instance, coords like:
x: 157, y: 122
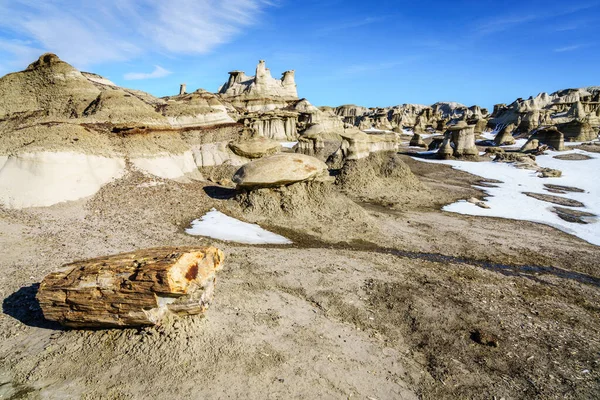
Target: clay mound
x: 52, y: 90
x: 50, y: 86
x: 308, y: 208
x: 380, y: 177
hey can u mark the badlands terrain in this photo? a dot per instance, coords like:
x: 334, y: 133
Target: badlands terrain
x: 405, y: 252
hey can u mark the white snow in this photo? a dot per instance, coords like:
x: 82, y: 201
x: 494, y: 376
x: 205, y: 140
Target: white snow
x: 377, y: 131
x: 288, y: 145
x: 508, y: 200
x: 492, y: 135
x: 428, y: 135
x: 220, y: 226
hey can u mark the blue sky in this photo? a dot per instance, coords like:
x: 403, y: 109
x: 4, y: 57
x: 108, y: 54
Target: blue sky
x: 373, y: 53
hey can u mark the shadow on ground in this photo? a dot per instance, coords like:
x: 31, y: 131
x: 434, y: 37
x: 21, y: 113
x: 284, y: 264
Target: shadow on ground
x: 219, y: 192
x: 23, y: 306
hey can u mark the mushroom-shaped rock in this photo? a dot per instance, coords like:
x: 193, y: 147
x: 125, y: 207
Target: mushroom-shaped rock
x: 256, y: 147
x: 462, y: 137
x: 280, y: 169
x: 505, y: 136
x: 417, y: 141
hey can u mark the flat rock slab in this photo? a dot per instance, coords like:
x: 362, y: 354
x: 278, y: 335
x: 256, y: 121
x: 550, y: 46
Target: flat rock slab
x: 561, y: 201
x: 256, y: 147
x: 131, y: 289
x: 278, y: 170
x: 574, y: 216
x: 573, y: 157
x: 562, y: 189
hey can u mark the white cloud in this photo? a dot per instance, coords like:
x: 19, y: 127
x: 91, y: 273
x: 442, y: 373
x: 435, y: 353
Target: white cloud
x: 159, y: 72
x: 569, y: 48
x: 85, y: 33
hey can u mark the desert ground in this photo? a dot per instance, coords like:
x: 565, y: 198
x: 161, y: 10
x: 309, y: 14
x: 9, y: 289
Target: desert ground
x: 375, y: 299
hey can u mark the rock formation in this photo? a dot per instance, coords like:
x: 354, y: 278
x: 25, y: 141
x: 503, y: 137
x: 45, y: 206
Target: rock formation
x: 505, y: 137
x: 549, y: 136
x: 576, y: 109
x: 459, y: 141
x: 417, y: 141
x: 132, y: 289
x: 261, y: 85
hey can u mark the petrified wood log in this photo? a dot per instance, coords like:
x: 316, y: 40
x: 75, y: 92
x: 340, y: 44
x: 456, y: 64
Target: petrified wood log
x: 131, y: 289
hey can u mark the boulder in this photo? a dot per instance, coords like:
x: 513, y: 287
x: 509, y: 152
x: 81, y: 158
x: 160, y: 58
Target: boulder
x: 256, y: 147
x: 279, y: 170
x: 131, y: 289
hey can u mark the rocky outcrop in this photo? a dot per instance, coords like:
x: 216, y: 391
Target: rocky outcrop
x: 578, y: 131
x: 357, y: 145
x: 557, y: 109
x: 280, y: 170
x: 549, y: 136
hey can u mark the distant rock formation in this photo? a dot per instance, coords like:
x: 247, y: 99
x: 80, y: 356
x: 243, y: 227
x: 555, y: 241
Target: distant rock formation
x: 576, y: 112
x: 419, y: 118
x: 261, y: 85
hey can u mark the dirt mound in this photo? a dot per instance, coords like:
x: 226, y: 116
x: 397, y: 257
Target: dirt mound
x: 312, y: 208
x: 381, y: 177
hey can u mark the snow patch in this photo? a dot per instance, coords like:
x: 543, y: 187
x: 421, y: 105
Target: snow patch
x: 508, y: 200
x: 288, y: 145
x: 217, y: 225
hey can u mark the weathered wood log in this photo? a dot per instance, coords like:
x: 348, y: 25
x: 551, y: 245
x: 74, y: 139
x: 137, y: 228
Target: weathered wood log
x: 131, y: 289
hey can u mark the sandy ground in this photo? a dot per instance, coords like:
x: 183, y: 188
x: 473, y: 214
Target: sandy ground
x: 422, y: 304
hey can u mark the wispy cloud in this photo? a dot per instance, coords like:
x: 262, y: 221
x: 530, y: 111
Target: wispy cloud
x: 86, y: 33
x: 570, y: 48
x: 504, y: 23
x: 159, y: 72
x: 333, y: 27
